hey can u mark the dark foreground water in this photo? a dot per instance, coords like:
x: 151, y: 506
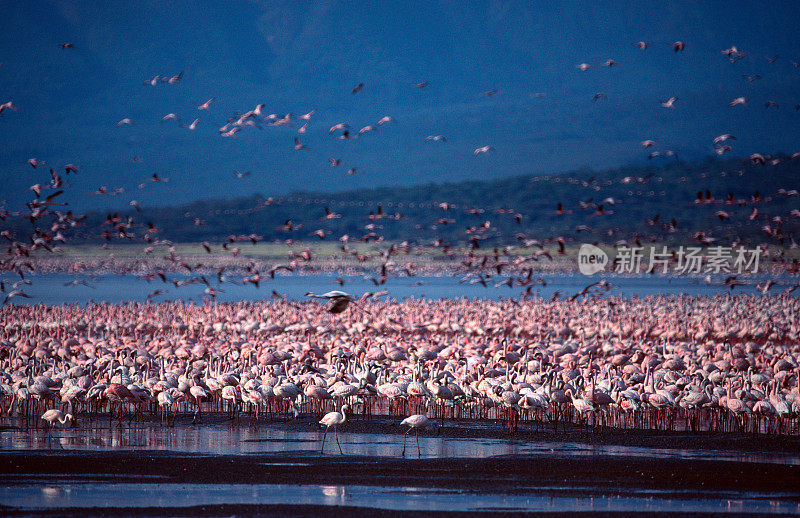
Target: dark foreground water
x: 53, y: 288
x: 75, y: 494
x: 190, y: 469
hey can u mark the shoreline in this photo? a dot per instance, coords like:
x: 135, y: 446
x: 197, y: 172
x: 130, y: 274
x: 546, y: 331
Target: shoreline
x: 473, y: 429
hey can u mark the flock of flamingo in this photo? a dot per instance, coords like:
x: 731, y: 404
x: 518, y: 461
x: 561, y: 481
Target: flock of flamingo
x: 727, y: 363
x: 723, y: 363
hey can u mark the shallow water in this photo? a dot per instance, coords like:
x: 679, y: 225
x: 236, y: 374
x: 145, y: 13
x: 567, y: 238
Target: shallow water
x: 32, y: 495
x: 223, y: 439
x: 50, y: 288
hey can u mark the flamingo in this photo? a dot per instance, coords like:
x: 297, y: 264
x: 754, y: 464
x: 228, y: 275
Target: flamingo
x: 165, y: 402
x: 669, y: 103
x: 199, y: 393
x: 7, y: 106
x: 206, y: 104
x: 723, y: 138
x: 414, y: 422
x: 339, y: 300
x: 334, y: 419
x: 54, y: 415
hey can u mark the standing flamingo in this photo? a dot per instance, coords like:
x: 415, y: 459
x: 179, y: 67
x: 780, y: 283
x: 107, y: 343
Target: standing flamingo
x: 334, y: 419
x: 414, y: 422
x: 53, y: 415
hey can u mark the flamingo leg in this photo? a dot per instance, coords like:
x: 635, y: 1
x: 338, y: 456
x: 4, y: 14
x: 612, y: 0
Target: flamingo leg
x: 336, y: 432
x: 323, y: 441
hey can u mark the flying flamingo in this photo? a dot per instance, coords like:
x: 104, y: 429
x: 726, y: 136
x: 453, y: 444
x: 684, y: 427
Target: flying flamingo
x: 7, y: 106
x: 723, y: 138
x: 339, y: 300
x: 206, y: 104
x: 669, y: 103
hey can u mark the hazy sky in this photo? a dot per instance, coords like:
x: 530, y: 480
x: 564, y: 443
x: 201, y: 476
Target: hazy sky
x: 300, y: 56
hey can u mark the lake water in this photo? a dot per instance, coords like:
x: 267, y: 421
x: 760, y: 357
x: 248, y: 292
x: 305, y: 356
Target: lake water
x: 92, y: 494
x: 217, y: 438
x: 50, y: 288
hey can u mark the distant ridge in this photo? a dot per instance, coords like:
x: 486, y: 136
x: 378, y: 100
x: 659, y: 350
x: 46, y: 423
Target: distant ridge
x: 638, y: 203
